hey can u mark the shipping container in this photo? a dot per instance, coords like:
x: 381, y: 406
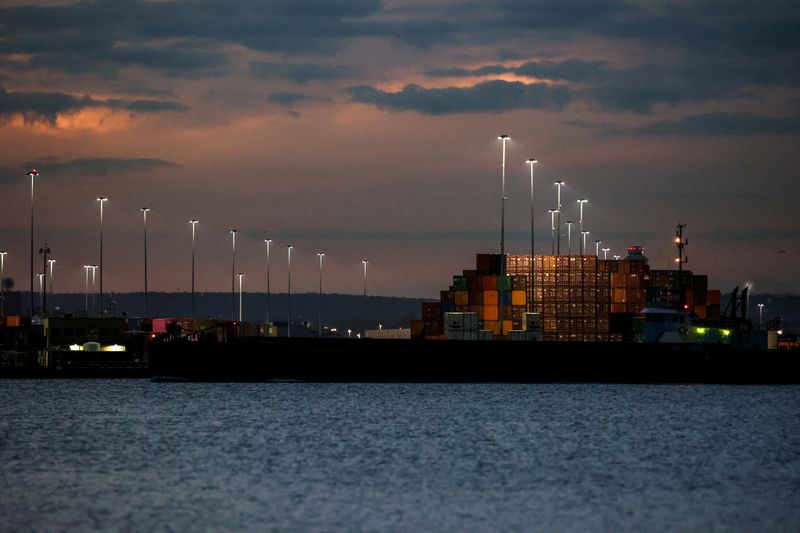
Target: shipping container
x: 462, y: 298
x: 490, y: 298
x: 518, y: 297
x: 490, y: 312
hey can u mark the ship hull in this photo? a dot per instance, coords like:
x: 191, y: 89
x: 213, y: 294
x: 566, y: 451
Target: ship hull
x: 346, y: 360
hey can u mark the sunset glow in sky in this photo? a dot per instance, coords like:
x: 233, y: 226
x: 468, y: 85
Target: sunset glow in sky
x: 368, y: 130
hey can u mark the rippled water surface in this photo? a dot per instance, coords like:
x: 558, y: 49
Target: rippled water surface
x: 136, y: 455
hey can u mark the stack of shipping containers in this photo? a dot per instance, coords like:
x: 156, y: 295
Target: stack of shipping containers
x: 576, y: 296
x: 568, y: 298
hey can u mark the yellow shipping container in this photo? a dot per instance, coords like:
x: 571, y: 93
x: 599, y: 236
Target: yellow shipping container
x: 462, y: 298
x: 490, y: 312
x: 518, y: 298
x: 490, y: 298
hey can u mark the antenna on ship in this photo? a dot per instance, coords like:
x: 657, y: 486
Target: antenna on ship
x: 680, y: 242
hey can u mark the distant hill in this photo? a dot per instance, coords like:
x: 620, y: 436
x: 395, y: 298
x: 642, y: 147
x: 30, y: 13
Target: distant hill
x: 341, y: 310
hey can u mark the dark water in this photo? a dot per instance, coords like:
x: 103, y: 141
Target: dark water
x: 135, y: 455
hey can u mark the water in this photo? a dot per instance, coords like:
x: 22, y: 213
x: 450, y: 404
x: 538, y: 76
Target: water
x: 142, y: 456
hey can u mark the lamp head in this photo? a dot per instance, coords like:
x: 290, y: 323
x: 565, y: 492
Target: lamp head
x: 504, y: 137
x: 532, y: 161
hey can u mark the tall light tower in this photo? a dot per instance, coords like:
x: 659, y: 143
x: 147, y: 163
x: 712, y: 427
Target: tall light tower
x: 504, y: 138
x: 319, y: 309
x: 2, y: 276
x: 40, y: 275
x: 194, y: 223
x: 582, y: 201
x: 558, y: 185
x: 267, y: 242
x: 597, y: 248
x: 43, y: 280
x: 102, y: 200
x: 532, y: 161
x: 94, y: 283
x: 233, y: 272
x: 605, y: 253
x: 760, y: 316
x: 240, y: 275
x: 50, y: 263
x: 364, y: 263
x: 289, y: 291
x: 86, y: 269
x: 569, y: 237
x: 583, y: 241
x: 144, y: 211
x: 552, y: 213
x: 32, y: 173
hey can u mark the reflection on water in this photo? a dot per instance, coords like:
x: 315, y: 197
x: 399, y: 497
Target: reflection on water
x: 113, y: 455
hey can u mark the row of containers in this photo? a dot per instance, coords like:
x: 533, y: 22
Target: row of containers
x: 466, y: 326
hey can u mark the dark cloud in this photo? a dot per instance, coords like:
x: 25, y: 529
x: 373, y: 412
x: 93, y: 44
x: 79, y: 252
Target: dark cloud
x: 288, y: 98
x: 96, y: 166
x: 176, y: 60
x: 46, y: 107
x: 723, y: 125
x: 93, y: 25
x: 41, y: 106
x: 298, y: 72
x: 102, y: 166
x: 494, y: 96
x: 153, y: 106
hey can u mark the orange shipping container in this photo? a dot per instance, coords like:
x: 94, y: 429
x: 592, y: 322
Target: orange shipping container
x: 462, y: 298
x: 13, y: 321
x: 700, y: 311
x: 518, y: 298
x: 490, y: 312
x: 490, y: 298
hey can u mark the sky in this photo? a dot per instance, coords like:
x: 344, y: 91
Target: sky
x: 368, y: 130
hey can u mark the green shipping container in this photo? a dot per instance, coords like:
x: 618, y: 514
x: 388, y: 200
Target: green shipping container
x: 460, y: 283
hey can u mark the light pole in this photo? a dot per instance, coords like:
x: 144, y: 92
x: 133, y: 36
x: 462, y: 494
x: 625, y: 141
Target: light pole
x: 569, y: 237
x: 40, y: 275
x: 240, y: 276
x: 617, y: 257
x: 583, y: 241
x: 364, y: 262
x: 194, y: 223
x: 581, y: 201
x: 597, y: 248
x: 760, y: 315
x: 553, y: 229
x: 144, y: 211
x: 504, y: 138
x: 532, y: 161
x: 50, y: 263
x: 319, y: 309
x: 2, y: 288
x: 289, y: 291
x: 267, y: 242
x: 44, y: 251
x: 32, y: 173
x: 558, y: 185
x: 102, y: 200
x: 605, y: 253
x: 94, y: 286
x: 233, y: 273
x: 86, y: 290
